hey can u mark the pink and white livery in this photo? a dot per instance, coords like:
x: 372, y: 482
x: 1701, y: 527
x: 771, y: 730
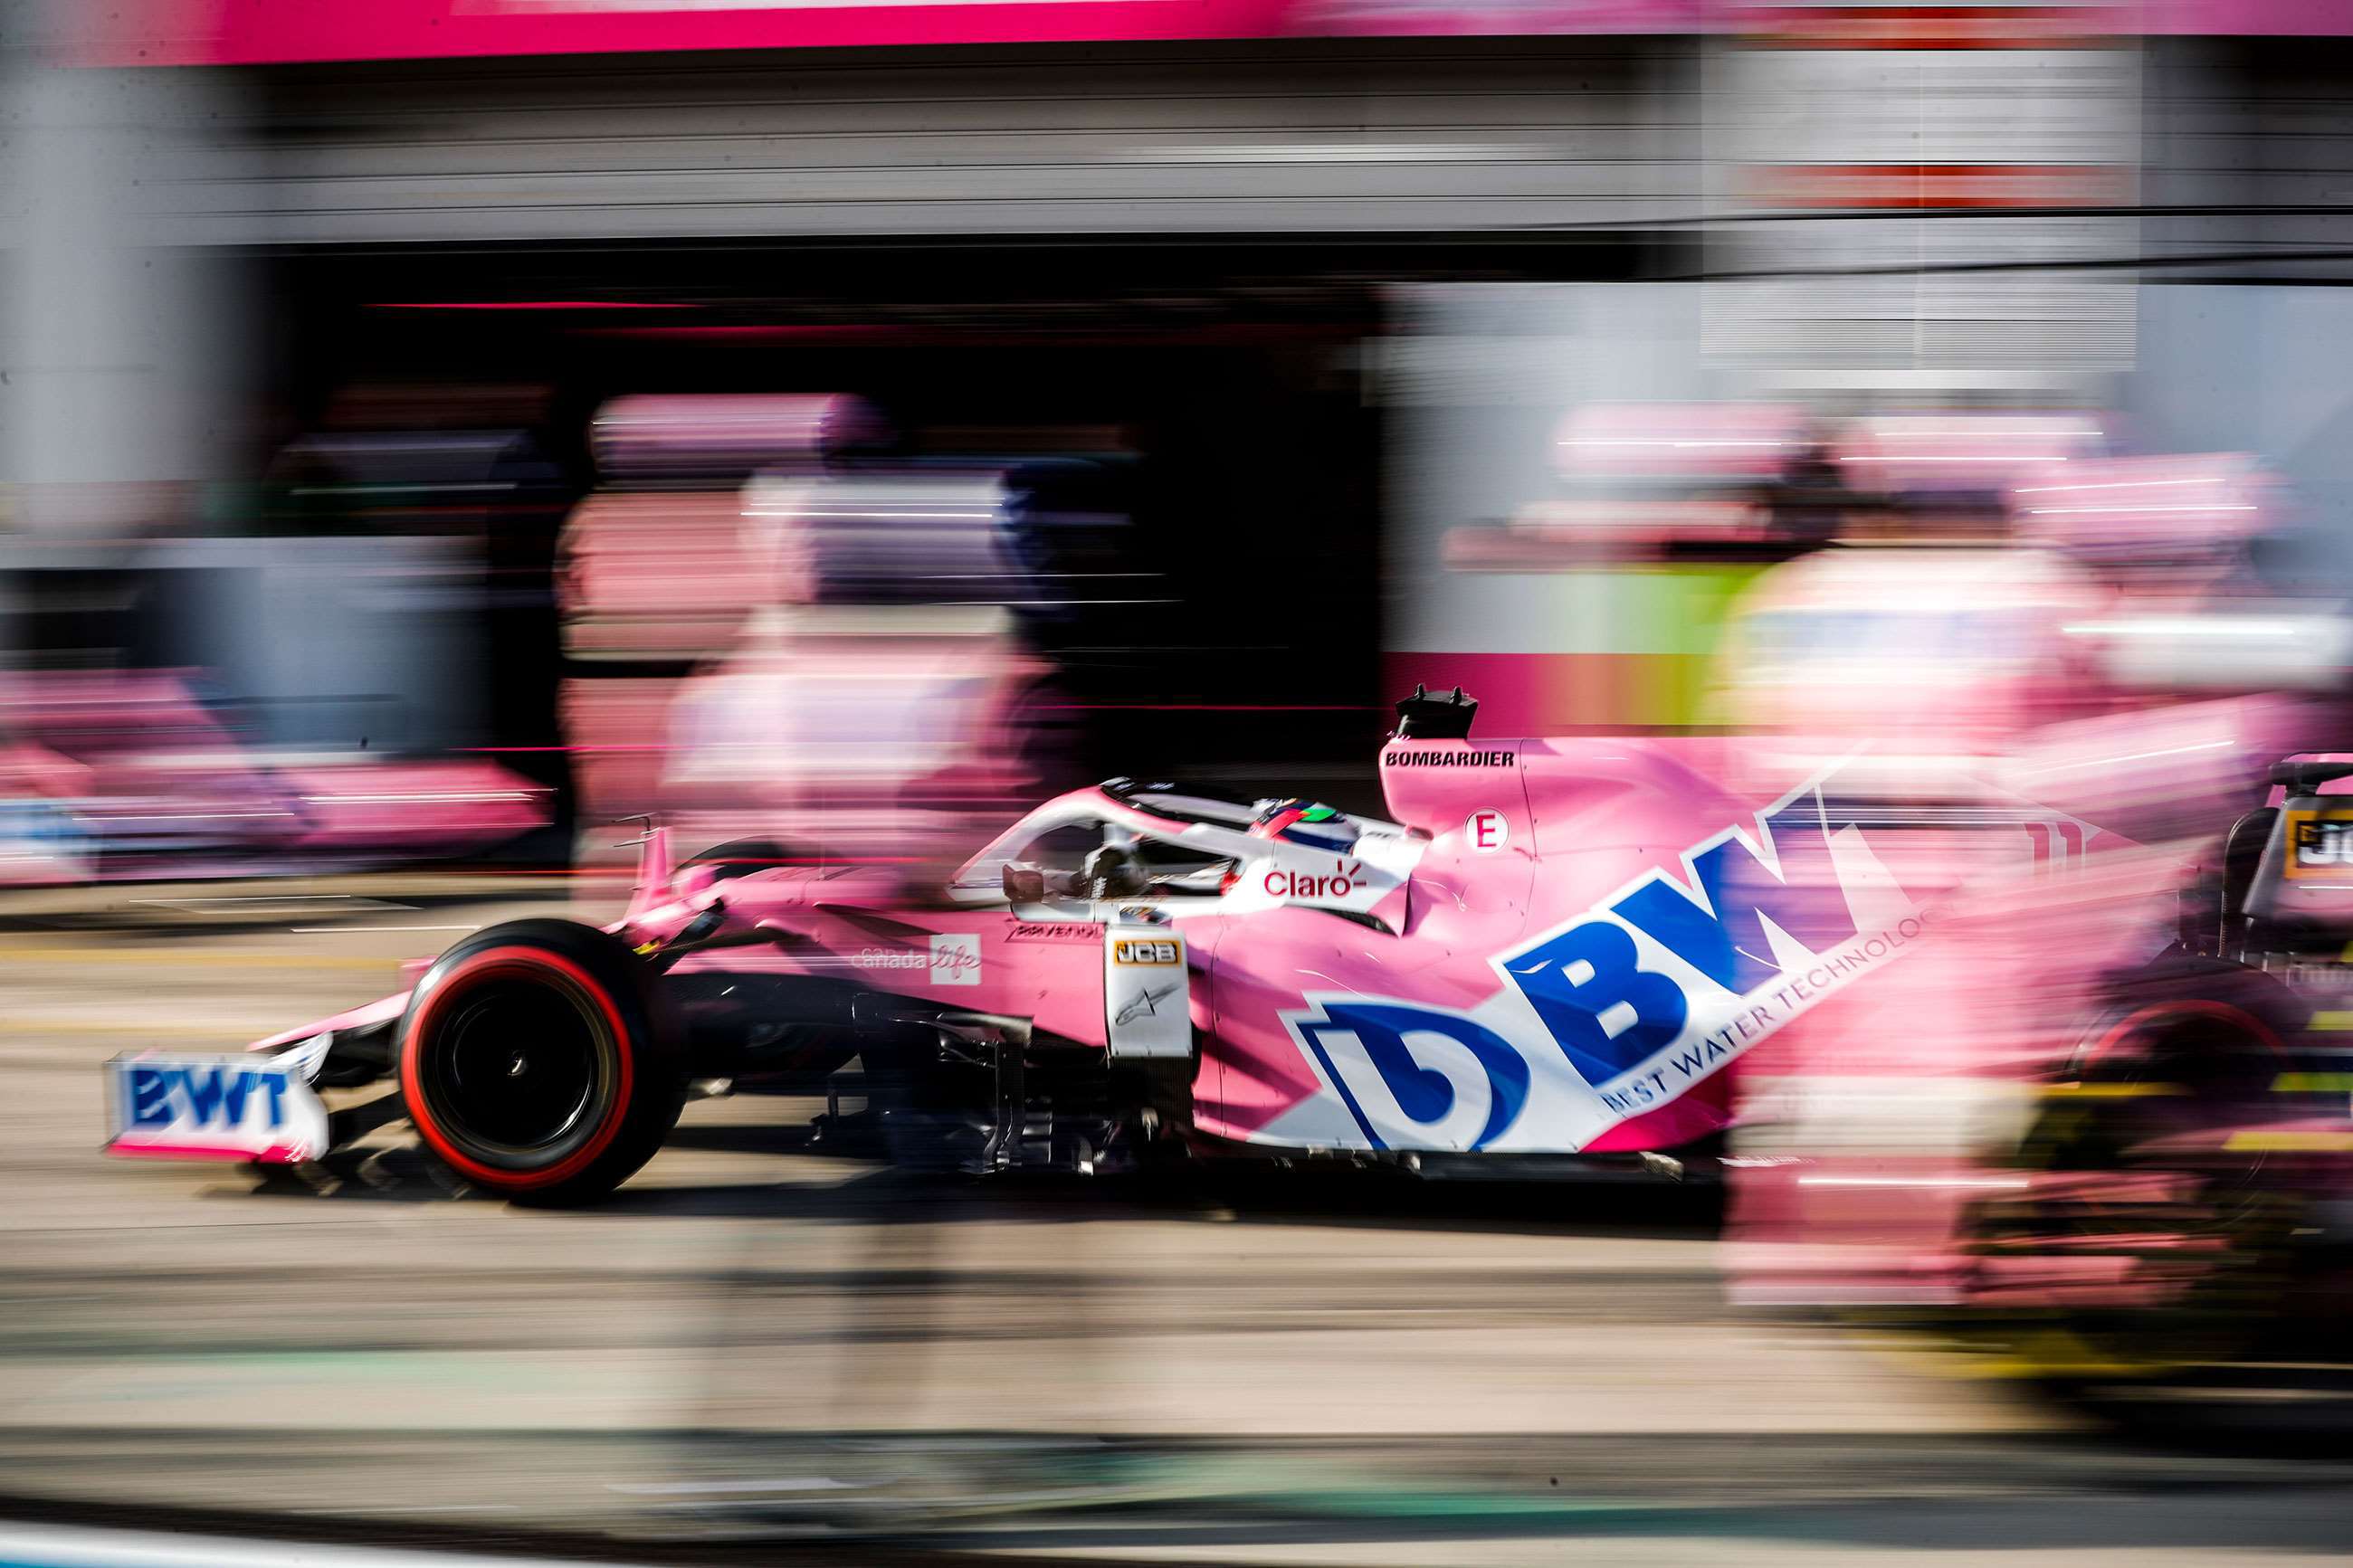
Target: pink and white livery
x: 1556, y: 947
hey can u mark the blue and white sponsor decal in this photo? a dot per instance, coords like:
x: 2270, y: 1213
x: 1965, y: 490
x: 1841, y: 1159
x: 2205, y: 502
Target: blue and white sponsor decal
x: 224, y: 1107
x: 1414, y: 1077
x: 1620, y: 1009
x: 41, y: 838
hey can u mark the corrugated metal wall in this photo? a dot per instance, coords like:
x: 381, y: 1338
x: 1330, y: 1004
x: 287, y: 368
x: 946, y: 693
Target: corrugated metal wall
x: 2248, y: 156
x: 1333, y: 137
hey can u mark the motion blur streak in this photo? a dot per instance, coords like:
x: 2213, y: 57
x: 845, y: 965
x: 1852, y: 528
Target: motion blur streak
x: 1266, y: 780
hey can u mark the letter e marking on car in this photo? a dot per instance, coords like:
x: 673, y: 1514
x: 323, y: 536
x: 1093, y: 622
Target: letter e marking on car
x: 1488, y: 832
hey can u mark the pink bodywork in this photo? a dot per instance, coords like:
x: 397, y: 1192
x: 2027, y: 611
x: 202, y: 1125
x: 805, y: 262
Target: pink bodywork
x: 1917, y: 969
x: 1873, y: 1129
x: 1500, y: 851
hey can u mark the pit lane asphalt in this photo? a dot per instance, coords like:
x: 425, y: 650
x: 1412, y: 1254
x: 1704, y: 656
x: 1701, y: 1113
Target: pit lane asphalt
x: 757, y: 1339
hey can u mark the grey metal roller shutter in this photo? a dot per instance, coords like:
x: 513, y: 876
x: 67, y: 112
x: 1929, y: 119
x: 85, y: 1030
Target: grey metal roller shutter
x: 1326, y: 138
x: 2249, y: 148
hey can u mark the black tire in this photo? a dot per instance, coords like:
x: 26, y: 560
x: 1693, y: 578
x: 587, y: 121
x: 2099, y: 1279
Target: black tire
x: 2191, y: 1047
x: 535, y: 1060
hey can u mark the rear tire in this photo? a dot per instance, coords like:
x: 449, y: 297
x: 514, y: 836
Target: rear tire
x: 536, y: 1062
x: 2200, y: 1238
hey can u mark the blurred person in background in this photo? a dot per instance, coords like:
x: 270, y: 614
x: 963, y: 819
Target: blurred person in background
x: 2063, y: 706
x: 870, y: 688
x: 871, y: 707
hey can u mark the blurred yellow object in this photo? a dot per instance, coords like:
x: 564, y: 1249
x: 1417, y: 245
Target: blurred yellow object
x: 2260, y: 1142
x: 2312, y: 1082
x: 2110, y: 1090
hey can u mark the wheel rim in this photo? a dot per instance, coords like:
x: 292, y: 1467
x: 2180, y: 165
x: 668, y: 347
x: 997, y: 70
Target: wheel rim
x: 519, y: 1070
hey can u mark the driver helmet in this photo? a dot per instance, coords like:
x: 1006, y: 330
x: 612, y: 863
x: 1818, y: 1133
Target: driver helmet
x: 1307, y: 823
x: 1114, y: 871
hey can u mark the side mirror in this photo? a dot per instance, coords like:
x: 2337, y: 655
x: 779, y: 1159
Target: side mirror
x: 2305, y: 775
x: 1023, y: 883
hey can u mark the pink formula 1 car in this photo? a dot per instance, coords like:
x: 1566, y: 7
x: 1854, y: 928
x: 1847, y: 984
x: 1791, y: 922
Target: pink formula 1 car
x: 1556, y: 949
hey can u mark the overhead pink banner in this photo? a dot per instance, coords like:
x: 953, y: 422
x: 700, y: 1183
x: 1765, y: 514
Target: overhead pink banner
x: 249, y: 32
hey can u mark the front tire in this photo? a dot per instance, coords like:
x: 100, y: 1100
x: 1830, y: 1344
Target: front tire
x: 534, y: 1061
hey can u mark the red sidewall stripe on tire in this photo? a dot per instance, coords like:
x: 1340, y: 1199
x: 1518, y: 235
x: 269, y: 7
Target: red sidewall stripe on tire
x: 516, y: 959
x: 2141, y: 1017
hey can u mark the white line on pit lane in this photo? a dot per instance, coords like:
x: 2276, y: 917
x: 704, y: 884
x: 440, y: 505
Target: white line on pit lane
x: 371, y: 1509
x: 789, y: 1484
x: 274, y: 903
x: 61, y: 1546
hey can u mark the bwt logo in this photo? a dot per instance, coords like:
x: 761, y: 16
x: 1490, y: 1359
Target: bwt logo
x: 1414, y: 1078
x: 1418, y: 1076
x: 1608, y: 1013
x: 214, y: 1096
